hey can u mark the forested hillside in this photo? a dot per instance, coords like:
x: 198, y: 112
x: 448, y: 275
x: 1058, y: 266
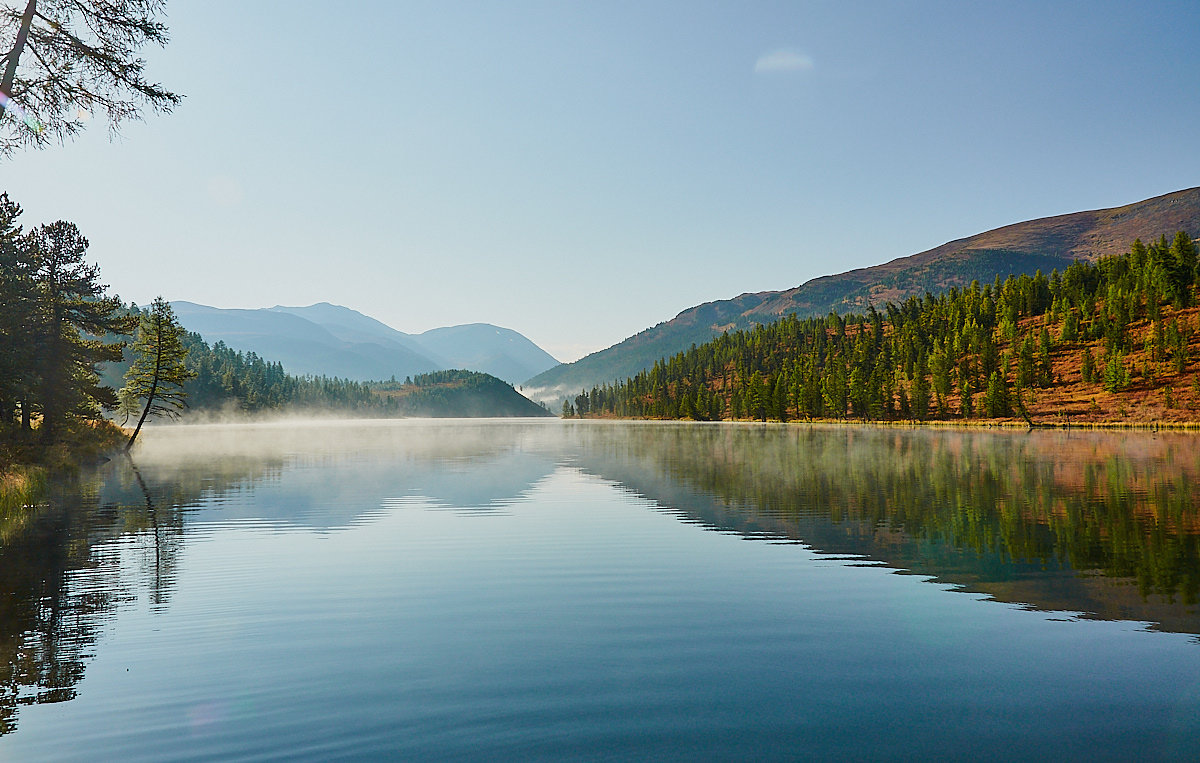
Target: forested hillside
x: 442, y: 394
x: 230, y: 382
x: 1114, y: 340
x: 1021, y: 248
x: 65, y: 351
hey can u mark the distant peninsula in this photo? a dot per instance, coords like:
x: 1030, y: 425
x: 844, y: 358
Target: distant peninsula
x: 456, y: 393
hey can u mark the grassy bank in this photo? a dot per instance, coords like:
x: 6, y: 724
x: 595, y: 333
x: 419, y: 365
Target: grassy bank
x: 26, y: 465
x: 83, y: 443
x: 20, y: 489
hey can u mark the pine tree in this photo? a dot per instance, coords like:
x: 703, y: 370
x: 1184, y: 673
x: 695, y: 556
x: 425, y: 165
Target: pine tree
x: 1177, y: 339
x: 966, y: 397
x: 1116, y: 375
x: 16, y: 315
x: 997, y: 400
x: 1183, y: 266
x: 63, y: 57
x: 72, y: 311
x: 920, y: 390
x: 1087, y: 370
x: 158, y: 372
x: 1045, y: 368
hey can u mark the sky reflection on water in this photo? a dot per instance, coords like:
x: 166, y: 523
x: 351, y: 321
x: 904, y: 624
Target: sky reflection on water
x: 548, y: 590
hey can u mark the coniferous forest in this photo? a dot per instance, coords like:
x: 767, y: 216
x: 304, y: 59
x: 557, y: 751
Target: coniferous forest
x: 1109, y: 341
x: 66, y: 347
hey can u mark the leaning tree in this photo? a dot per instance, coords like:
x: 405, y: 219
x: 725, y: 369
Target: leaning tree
x: 62, y: 61
x: 158, y: 372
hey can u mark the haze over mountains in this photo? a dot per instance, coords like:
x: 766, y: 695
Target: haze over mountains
x: 331, y: 340
x: 325, y: 339
x: 1045, y: 244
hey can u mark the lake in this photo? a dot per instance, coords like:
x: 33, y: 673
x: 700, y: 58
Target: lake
x: 524, y: 590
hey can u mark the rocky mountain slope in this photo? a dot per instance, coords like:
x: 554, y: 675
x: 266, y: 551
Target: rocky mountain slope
x: 1042, y: 244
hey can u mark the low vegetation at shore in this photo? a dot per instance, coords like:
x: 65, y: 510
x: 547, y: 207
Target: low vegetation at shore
x: 1113, y: 342
x: 70, y: 353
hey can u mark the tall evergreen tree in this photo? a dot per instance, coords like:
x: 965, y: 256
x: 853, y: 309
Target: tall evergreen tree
x: 72, y: 315
x: 996, y: 400
x: 1087, y: 367
x: 1183, y: 264
x: 158, y: 373
x: 16, y: 305
x: 920, y: 389
x: 1116, y: 375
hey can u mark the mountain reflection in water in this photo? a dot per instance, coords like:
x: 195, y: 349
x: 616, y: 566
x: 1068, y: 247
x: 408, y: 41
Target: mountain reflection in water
x: 1102, y: 525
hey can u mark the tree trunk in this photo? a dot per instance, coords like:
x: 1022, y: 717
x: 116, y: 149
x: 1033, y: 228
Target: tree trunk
x: 153, y: 389
x: 14, y: 55
x: 145, y: 412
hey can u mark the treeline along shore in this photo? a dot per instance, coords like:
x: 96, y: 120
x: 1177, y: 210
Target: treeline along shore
x: 80, y: 368
x: 1105, y: 343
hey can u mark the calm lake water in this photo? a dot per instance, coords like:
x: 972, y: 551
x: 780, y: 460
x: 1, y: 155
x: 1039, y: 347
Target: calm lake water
x: 593, y: 590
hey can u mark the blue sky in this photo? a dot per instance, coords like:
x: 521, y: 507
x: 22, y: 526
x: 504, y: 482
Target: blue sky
x: 581, y: 171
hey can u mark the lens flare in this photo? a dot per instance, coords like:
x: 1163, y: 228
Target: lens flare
x: 15, y: 108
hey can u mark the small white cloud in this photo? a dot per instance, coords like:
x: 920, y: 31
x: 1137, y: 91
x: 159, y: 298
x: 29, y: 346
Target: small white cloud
x: 784, y: 60
x: 225, y: 191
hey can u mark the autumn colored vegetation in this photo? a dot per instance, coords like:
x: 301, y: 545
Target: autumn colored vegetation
x: 1114, y: 341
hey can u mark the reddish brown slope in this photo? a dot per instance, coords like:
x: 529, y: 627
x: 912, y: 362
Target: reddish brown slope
x: 1048, y: 243
x: 1018, y: 248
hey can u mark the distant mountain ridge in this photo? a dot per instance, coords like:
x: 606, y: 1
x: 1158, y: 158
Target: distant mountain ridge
x: 331, y: 340
x: 1042, y: 244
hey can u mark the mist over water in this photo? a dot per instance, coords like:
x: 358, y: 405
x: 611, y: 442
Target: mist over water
x: 546, y: 589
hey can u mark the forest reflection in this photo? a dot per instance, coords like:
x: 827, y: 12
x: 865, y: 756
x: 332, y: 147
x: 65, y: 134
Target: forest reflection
x: 62, y: 574
x: 1100, y: 524
x: 1105, y: 524
x: 60, y: 580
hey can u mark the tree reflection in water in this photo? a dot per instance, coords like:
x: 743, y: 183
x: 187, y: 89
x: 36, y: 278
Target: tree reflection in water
x: 1102, y: 524
x: 61, y: 577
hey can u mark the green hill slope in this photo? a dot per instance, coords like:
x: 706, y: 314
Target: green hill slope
x: 458, y: 394
x: 1021, y: 248
x: 1113, y: 341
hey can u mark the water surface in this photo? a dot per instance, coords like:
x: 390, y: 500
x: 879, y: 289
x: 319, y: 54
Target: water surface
x: 526, y: 590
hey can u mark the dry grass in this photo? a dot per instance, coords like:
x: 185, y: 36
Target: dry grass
x: 1144, y: 402
x: 20, y: 489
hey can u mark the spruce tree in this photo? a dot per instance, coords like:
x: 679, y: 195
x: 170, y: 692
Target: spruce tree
x: 996, y: 399
x: 71, y: 317
x: 16, y: 316
x: 1087, y: 369
x: 1116, y: 375
x: 920, y: 389
x: 1183, y: 265
x: 1070, y: 328
x: 158, y: 372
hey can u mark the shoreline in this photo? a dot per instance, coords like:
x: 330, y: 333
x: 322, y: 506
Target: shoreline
x: 1143, y: 426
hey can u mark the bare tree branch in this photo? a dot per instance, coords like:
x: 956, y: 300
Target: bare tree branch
x: 68, y: 56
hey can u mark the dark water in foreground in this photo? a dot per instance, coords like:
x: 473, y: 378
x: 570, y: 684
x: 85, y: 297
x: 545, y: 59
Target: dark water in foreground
x: 603, y: 590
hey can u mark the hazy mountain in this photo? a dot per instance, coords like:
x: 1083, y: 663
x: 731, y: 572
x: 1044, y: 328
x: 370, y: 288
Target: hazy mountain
x: 481, y: 346
x: 1045, y: 244
x: 331, y: 340
x: 352, y: 326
